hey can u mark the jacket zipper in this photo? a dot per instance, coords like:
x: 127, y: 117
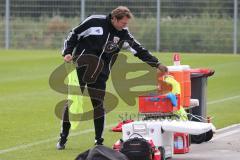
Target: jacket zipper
x: 79, y: 56
x: 101, y: 55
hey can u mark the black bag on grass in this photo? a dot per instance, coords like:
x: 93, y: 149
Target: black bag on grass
x: 101, y: 153
x: 137, y: 149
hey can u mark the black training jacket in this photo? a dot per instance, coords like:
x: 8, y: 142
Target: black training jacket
x: 97, y: 37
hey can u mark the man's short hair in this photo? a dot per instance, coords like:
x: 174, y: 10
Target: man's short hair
x: 120, y: 12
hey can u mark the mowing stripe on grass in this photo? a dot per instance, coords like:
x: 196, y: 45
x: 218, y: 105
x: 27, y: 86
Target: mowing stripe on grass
x: 91, y: 130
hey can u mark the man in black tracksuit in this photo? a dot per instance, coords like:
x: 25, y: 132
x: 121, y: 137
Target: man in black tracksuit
x: 93, y: 46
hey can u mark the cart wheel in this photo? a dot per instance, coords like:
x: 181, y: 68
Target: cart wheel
x: 198, y: 138
x: 209, y: 136
x: 162, y: 151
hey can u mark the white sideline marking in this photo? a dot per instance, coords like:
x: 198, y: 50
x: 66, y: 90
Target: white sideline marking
x: 46, y: 141
x: 27, y: 145
x: 224, y: 99
x: 91, y: 130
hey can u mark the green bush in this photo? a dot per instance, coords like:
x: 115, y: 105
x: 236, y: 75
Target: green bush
x: 188, y: 34
x: 40, y: 33
x: 184, y: 34
x: 202, y: 34
x: 144, y: 30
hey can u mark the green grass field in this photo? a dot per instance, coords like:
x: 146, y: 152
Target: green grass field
x: 29, y: 127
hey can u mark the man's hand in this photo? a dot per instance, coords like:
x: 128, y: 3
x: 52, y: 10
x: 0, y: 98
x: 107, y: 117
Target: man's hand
x: 68, y: 58
x: 162, y: 69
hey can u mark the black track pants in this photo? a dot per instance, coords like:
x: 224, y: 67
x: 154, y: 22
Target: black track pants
x: 96, y: 92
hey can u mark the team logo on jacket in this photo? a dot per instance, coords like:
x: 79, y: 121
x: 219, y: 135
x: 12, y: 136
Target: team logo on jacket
x: 112, y: 46
x: 116, y: 39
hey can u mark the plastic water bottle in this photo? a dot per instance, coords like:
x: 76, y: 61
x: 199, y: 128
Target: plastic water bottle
x: 179, y: 142
x: 175, y: 143
x: 176, y: 59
